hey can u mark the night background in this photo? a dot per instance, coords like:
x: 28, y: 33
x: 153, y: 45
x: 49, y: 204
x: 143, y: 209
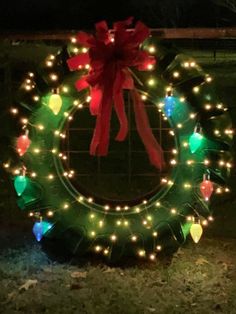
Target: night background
x: 51, y: 276
x: 72, y: 14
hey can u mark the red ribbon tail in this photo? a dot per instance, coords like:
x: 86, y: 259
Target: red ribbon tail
x: 96, y: 96
x: 153, y: 149
x: 100, y: 141
x: 120, y: 111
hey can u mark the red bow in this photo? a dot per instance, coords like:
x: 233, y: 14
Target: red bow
x: 110, y: 59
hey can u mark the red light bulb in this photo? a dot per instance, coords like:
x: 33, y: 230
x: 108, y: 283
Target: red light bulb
x: 206, y: 188
x: 22, y: 144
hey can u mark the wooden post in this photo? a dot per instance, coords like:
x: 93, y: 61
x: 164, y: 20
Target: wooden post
x: 162, y: 33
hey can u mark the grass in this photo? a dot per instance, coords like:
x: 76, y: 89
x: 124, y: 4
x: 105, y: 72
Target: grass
x: 197, y: 279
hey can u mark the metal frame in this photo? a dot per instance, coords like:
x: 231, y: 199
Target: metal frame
x: 67, y: 151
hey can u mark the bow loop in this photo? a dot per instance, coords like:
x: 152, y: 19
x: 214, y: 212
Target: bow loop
x: 110, y: 60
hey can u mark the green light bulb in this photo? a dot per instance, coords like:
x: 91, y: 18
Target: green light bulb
x: 20, y: 183
x: 195, y: 141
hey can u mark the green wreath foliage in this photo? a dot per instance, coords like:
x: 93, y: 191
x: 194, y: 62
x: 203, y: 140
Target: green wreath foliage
x: 161, y: 222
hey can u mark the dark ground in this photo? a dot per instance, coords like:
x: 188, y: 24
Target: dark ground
x: 198, y: 279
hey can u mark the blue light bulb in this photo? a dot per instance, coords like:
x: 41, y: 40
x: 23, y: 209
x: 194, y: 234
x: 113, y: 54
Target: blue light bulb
x: 169, y: 104
x: 40, y: 228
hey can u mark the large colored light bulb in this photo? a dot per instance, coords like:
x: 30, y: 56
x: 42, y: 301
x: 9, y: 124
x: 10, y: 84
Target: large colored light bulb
x: 20, y: 183
x: 169, y: 104
x: 40, y: 228
x: 196, y: 232
x: 195, y: 141
x: 22, y: 144
x: 55, y: 103
x: 206, y: 188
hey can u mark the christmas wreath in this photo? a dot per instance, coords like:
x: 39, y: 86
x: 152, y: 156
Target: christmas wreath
x: 99, y: 74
